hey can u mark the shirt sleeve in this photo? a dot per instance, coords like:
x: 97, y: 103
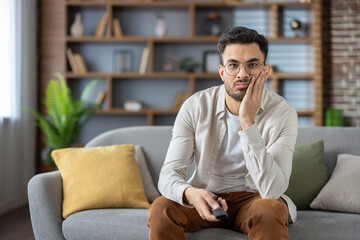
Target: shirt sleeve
x: 270, y: 168
x: 172, y: 180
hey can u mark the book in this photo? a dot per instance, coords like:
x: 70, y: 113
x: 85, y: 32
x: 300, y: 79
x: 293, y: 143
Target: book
x: 72, y: 61
x: 97, y: 33
x: 144, y: 60
x: 102, y: 23
x: 180, y: 99
x: 100, y: 98
x: 108, y: 28
x: 80, y: 63
x: 117, y: 28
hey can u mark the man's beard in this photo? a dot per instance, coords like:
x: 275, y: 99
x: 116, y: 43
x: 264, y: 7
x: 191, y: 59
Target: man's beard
x: 239, y: 95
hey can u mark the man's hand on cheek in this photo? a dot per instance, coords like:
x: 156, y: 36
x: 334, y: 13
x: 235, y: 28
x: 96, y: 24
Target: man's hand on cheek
x: 252, y: 100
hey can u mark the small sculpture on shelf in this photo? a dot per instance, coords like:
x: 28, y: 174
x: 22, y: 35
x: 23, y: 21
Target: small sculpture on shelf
x: 296, y: 26
x: 213, y: 24
x: 77, y: 29
x: 171, y: 63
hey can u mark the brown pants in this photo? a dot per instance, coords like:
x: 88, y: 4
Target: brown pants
x: 248, y: 213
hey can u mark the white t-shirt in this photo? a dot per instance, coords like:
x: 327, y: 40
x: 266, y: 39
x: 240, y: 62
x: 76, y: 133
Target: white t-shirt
x: 229, y: 170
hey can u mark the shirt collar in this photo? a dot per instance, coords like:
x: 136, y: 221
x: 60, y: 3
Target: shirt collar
x: 220, y: 107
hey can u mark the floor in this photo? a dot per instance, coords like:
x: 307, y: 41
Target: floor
x: 16, y: 225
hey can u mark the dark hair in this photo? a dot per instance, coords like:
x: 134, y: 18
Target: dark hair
x: 242, y: 35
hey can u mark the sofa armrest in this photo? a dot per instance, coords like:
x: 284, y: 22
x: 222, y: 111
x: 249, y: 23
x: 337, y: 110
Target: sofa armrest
x: 45, y: 203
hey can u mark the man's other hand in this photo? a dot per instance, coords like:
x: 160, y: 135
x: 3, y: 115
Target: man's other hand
x: 202, y: 199
x: 252, y: 99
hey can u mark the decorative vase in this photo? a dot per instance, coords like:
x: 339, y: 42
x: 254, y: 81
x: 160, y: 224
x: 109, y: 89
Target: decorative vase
x: 160, y: 28
x: 77, y: 28
x: 123, y: 61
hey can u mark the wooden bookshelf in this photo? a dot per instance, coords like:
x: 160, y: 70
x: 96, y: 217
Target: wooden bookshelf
x: 191, y: 9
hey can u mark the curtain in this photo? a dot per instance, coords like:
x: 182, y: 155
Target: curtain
x: 18, y: 85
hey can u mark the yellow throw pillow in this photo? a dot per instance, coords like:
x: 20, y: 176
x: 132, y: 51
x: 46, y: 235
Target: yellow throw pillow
x: 100, y: 177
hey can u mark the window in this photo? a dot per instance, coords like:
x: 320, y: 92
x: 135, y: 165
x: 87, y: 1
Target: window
x: 7, y: 59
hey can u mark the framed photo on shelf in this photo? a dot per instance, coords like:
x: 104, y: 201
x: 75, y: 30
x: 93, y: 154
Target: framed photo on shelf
x: 211, y: 61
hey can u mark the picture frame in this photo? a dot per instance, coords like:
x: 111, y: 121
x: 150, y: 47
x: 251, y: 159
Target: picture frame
x: 211, y: 61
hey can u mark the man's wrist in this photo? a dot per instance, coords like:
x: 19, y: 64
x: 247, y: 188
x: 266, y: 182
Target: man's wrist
x: 184, y: 197
x: 246, y: 124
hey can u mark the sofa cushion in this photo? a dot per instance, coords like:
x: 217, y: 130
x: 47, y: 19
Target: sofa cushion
x: 131, y: 224
x: 341, y: 192
x: 107, y: 224
x: 308, y: 174
x: 100, y: 177
x: 151, y: 191
x: 324, y: 225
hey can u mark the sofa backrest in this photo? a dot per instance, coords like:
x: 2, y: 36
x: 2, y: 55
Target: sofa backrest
x: 337, y: 140
x: 155, y: 140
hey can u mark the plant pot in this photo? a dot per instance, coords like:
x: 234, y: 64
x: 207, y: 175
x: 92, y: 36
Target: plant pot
x: 47, y: 168
x: 46, y: 157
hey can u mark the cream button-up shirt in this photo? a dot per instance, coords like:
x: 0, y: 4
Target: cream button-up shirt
x: 199, y: 130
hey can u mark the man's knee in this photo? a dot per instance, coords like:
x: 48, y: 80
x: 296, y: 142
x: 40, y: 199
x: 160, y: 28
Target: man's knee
x: 269, y: 219
x: 163, y: 211
x: 159, y: 205
x: 270, y: 209
x: 165, y: 220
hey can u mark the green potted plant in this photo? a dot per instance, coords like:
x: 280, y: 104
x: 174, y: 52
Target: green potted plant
x: 64, y: 117
x: 188, y: 64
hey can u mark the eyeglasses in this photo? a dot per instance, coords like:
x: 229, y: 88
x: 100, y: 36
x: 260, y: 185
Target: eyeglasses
x: 252, y: 68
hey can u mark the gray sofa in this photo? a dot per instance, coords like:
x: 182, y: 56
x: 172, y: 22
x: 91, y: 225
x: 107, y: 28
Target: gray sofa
x: 45, y: 194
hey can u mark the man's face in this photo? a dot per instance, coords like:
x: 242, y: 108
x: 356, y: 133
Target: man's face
x: 239, y: 54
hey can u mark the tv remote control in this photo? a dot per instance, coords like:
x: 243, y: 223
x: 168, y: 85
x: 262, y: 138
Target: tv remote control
x: 219, y: 213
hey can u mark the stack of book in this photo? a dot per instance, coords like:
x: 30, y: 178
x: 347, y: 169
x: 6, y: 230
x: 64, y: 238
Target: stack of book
x: 103, y: 25
x: 133, y: 105
x: 76, y: 61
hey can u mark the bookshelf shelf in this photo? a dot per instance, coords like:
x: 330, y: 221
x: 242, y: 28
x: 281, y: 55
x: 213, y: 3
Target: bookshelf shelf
x: 146, y: 75
x: 140, y: 112
x: 200, y: 39
x: 179, y: 75
x: 226, y: 3
x: 306, y: 112
x: 168, y: 112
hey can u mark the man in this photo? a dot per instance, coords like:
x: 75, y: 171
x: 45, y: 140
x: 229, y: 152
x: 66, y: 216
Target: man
x: 241, y: 137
